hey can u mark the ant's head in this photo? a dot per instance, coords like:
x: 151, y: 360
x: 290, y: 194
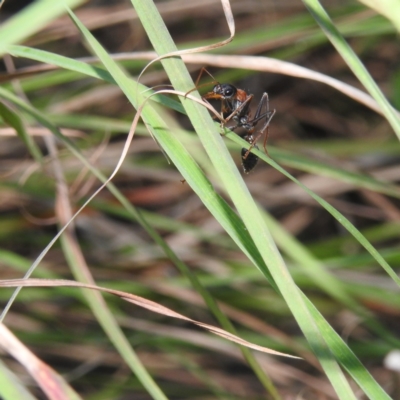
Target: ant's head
x: 224, y: 91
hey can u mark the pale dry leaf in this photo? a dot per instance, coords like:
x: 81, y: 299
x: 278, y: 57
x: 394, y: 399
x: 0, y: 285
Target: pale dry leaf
x: 141, y: 302
x: 52, y: 384
x: 231, y: 25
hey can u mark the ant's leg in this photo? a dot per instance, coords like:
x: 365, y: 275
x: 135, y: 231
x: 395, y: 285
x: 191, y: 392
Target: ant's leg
x: 259, y: 115
x: 223, y: 121
x: 226, y: 108
x: 268, y: 114
x: 218, y: 116
x: 262, y: 131
x: 253, y: 140
x: 265, y: 129
x: 246, y: 103
x: 203, y: 69
x: 197, y: 86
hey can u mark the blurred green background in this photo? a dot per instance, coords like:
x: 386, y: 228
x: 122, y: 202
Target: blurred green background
x: 340, y: 149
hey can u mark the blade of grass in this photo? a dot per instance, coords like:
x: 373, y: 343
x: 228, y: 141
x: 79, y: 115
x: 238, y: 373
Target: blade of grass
x: 21, y: 26
x: 125, y: 84
x: 81, y: 272
x: 389, y: 8
x: 355, y: 178
x: 81, y: 67
x: 254, y: 63
x: 311, y: 265
x: 141, y: 302
x: 177, y: 72
x: 13, y: 119
x: 52, y: 384
x: 347, y: 358
x: 239, y: 194
x: 11, y: 387
x: 325, y: 280
x: 336, y: 214
x: 354, y: 63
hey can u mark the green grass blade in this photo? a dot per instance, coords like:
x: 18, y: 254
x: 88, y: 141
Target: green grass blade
x: 176, y: 73
x: 358, y: 179
x: 107, y: 320
x: 336, y: 214
x: 359, y: 70
x: 11, y: 387
x: 347, y: 358
x: 32, y: 18
x: 60, y: 61
x: 126, y: 85
x: 310, y: 264
x: 389, y: 8
x: 239, y: 194
x: 13, y: 120
x: 82, y: 68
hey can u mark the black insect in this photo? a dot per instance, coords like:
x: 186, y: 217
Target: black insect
x: 235, y: 106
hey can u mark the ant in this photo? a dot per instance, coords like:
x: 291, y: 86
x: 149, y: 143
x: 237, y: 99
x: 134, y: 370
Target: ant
x: 235, y: 105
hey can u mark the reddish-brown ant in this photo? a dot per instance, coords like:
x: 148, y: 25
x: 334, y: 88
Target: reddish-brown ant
x: 235, y: 106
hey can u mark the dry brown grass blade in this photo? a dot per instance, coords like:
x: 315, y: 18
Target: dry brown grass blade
x: 231, y: 25
x: 243, y: 318
x: 255, y: 63
x: 52, y: 384
x: 141, y: 302
x: 266, y: 64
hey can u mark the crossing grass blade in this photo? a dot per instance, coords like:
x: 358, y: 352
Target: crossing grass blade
x: 21, y: 26
x: 354, y: 63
